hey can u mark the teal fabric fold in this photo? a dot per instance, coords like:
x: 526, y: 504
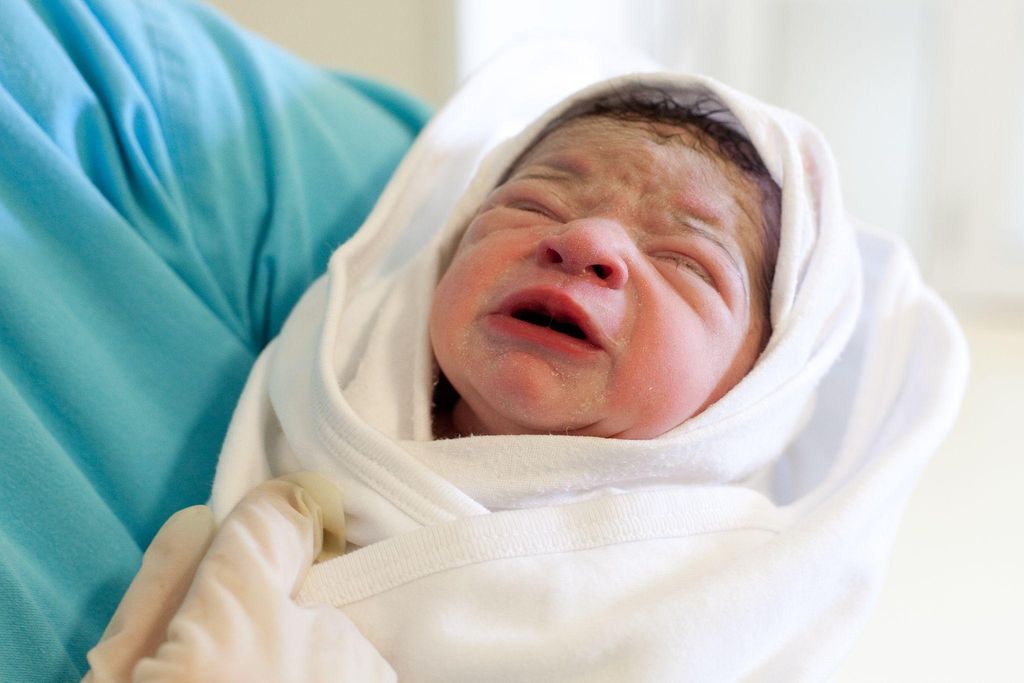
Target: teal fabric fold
x: 169, y: 186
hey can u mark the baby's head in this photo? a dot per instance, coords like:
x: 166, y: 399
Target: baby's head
x: 615, y: 282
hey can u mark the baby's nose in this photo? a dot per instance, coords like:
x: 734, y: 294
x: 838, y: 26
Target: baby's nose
x: 587, y: 248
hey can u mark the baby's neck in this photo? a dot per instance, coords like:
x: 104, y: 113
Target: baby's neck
x: 443, y: 409
x: 443, y: 426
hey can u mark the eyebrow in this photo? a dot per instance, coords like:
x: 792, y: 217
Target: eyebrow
x: 557, y: 166
x: 555, y: 174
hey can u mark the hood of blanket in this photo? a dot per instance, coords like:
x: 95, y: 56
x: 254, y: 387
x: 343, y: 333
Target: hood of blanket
x: 371, y: 364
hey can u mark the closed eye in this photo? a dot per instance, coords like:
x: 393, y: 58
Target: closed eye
x: 533, y: 207
x: 682, y: 262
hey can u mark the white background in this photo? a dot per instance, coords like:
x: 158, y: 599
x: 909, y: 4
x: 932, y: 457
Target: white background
x: 923, y: 103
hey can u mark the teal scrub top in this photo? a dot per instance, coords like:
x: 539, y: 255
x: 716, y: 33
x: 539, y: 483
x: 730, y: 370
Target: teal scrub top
x: 169, y: 186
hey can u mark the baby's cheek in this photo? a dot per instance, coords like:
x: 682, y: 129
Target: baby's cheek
x: 459, y: 299
x: 455, y: 289
x: 669, y: 382
x: 444, y: 313
x: 668, y: 379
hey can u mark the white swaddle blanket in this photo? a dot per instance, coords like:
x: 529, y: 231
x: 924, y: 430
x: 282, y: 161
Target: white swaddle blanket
x: 748, y: 543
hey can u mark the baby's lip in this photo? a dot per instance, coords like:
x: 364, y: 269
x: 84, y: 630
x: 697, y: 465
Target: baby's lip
x: 555, y: 303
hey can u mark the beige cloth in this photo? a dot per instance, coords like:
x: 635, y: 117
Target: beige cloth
x: 217, y: 605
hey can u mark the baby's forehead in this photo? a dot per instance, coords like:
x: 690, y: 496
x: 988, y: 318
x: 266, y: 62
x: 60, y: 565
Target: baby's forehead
x: 650, y: 159
x: 580, y: 134
x: 575, y: 146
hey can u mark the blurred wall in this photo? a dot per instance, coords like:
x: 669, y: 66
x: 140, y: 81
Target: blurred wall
x: 408, y: 43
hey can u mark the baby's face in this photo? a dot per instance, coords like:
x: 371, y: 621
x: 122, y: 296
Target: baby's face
x: 604, y: 289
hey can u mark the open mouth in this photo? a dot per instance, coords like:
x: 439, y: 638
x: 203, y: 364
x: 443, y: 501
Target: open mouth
x: 550, y: 317
x: 540, y: 317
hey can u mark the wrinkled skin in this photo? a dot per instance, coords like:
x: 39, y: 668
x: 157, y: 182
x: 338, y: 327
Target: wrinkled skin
x: 636, y: 241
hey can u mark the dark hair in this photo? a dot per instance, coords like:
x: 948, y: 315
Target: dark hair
x: 708, y: 120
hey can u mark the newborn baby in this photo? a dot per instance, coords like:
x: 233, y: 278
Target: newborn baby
x: 595, y: 427
x: 615, y: 283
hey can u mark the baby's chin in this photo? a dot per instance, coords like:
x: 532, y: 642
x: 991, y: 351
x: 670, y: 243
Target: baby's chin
x: 485, y: 420
x: 466, y: 421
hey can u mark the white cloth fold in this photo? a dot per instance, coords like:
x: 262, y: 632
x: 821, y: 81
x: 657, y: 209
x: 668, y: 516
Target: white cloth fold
x: 746, y: 543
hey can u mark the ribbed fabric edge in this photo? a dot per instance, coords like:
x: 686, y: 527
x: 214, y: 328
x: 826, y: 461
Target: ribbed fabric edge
x: 608, y: 520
